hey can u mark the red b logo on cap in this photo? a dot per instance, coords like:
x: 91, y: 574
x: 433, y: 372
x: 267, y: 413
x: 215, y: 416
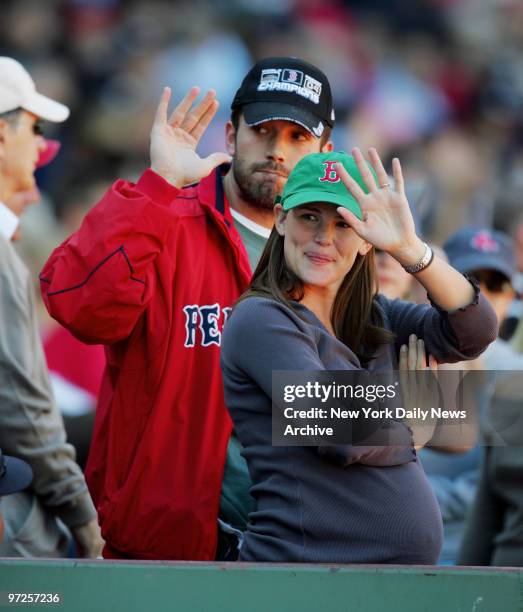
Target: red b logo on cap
x: 483, y: 241
x: 330, y: 173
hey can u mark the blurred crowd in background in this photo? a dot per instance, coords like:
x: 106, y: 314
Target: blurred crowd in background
x: 437, y: 82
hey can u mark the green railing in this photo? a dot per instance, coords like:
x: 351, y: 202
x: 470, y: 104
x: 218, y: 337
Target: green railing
x: 231, y: 587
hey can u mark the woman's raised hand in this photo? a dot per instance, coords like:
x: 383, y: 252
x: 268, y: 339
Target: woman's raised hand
x: 387, y: 220
x: 174, y: 139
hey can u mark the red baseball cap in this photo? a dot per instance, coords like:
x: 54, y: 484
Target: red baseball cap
x: 49, y: 153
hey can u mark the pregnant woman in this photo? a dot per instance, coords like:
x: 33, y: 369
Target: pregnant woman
x: 313, y: 305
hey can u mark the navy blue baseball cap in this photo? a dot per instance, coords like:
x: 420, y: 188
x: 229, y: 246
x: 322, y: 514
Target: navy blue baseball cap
x: 15, y: 474
x: 471, y: 249
x: 286, y: 89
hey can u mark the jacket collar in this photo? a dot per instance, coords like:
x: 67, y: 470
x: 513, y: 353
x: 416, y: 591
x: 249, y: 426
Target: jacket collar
x: 212, y: 194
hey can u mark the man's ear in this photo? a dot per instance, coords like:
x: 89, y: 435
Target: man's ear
x: 327, y: 147
x: 230, y: 138
x: 364, y: 248
x: 280, y: 217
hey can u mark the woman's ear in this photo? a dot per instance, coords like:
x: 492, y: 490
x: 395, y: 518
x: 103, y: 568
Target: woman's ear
x: 364, y: 248
x: 230, y: 138
x: 280, y: 216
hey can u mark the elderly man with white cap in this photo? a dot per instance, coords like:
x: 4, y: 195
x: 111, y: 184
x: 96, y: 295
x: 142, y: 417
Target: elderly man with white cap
x: 31, y: 427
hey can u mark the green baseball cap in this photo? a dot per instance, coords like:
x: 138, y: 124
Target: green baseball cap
x: 314, y: 179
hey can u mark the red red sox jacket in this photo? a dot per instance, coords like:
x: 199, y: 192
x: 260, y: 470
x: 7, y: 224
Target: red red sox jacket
x: 152, y: 273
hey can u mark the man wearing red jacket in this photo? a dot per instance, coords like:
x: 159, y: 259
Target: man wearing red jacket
x: 153, y: 273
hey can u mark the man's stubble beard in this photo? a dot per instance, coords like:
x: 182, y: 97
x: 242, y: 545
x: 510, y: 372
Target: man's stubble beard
x: 257, y: 190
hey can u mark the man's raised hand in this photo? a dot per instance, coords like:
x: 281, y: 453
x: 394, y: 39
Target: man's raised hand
x: 174, y: 140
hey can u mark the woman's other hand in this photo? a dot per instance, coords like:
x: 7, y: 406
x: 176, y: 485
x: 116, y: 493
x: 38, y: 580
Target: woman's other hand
x: 420, y: 391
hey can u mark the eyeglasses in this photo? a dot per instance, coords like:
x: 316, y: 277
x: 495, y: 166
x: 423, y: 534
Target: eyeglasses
x: 38, y: 128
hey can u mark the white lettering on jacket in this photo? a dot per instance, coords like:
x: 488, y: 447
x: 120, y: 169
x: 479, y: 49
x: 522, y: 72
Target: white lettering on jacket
x: 206, y: 319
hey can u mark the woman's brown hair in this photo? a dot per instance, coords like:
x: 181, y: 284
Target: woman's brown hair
x: 355, y: 317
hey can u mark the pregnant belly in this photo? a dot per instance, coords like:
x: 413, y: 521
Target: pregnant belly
x: 358, y: 514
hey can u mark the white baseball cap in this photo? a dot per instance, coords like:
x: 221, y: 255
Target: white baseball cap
x: 17, y: 90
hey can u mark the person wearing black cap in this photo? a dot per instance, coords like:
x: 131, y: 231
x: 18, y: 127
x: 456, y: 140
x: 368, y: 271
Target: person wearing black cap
x: 153, y: 273
x: 494, y: 527
x: 489, y: 256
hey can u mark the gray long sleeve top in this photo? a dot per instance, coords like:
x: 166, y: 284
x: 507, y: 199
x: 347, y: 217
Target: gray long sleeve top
x: 31, y: 426
x: 310, y: 508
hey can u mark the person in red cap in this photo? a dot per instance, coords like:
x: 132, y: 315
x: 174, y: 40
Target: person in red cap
x: 19, y: 200
x: 153, y: 273
x: 31, y: 427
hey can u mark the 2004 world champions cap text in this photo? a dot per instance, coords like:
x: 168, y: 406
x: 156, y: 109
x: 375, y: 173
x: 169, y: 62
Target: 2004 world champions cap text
x: 286, y: 89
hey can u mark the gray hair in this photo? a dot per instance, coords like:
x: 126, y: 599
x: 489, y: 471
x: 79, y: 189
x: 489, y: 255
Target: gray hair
x: 11, y: 116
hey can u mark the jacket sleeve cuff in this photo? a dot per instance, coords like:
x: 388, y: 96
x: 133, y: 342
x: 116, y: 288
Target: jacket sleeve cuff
x: 77, y: 512
x: 468, y: 307
x: 392, y: 444
x: 157, y: 188
x: 475, y: 324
